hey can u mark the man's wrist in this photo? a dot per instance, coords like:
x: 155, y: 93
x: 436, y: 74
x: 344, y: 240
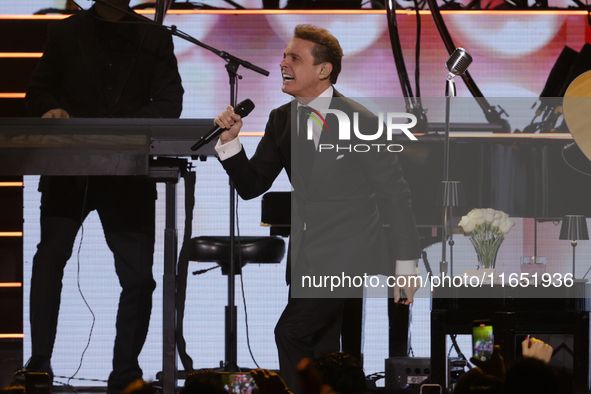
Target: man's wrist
x: 407, y: 267
x: 229, y: 149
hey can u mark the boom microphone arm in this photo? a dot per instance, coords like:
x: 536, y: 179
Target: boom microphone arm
x: 413, y: 106
x: 490, y: 112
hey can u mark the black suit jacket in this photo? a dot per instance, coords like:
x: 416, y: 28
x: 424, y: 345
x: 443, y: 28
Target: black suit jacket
x: 71, y: 75
x: 348, y: 198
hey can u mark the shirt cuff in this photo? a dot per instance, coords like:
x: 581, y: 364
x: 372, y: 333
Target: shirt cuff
x: 229, y: 149
x: 407, y: 267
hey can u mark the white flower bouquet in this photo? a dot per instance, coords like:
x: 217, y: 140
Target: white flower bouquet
x: 487, y: 228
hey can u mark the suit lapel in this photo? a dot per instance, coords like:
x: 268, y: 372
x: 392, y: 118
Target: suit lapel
x: 134, y: 42
x: 94, y: 58
x: 290, y: 132
x: 285, y: 140
x: 327, y: 158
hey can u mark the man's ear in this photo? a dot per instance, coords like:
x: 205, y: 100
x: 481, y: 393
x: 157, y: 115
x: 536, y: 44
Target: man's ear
x: 325, y: 71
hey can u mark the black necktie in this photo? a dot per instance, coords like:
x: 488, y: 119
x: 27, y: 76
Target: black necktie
x: 306, y: 148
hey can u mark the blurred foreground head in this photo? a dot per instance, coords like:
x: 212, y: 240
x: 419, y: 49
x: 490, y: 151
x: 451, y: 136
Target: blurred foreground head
x: 531, y: 376
x: 139, y: 387
x: 342, y: 372
x: 203, y: 382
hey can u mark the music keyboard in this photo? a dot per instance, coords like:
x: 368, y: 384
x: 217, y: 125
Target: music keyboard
x: 34, y: 146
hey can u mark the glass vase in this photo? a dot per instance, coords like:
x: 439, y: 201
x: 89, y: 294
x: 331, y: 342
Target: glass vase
x: 486, y: 250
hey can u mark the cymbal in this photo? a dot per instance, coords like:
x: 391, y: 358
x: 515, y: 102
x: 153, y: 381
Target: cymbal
x: 577, y: 111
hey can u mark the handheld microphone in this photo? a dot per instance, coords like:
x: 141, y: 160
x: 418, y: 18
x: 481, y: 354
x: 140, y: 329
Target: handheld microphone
x: 242, y: 109
x: 458, y: 62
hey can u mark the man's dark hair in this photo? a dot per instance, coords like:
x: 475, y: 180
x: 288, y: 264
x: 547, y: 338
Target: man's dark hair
x: 139, y: 386
x: 327, y: 48
x: 342, y: 372
x: 530, y: 375
x: 13, y: 390
x: 477, y: 382
x: 203, y: 382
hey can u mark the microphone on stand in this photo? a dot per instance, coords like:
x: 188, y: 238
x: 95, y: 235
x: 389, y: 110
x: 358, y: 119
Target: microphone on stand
x: 458, y: 62
x: 456, y: 65
x: 243, y: 109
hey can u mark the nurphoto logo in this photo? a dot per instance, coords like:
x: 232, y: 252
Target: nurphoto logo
x: 392, y: 124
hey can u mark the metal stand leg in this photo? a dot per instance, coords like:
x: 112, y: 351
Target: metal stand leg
x: 438, y: 349
x: 169, y: 354
x: 582, y: 372
x: 398, y: 316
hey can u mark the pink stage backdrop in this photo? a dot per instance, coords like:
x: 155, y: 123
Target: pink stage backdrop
x: 513, y: 55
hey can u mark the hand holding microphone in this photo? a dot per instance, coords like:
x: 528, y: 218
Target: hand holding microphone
x: 231, y: 122
x: 228, y: 124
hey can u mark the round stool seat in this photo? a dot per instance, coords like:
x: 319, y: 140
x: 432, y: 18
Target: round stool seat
x: 252, y: 249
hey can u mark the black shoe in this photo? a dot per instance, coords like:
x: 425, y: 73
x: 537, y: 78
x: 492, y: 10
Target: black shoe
x: 117, y: 385
x: 36, y: 364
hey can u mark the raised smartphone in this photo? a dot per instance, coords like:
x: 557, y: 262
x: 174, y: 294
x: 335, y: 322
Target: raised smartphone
x: 482, y: 339
x: 239, y: 382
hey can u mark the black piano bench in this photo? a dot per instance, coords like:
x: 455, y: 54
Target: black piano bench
x: 257, y: 250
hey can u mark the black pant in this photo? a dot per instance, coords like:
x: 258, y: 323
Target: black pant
x: 126, y: 207
x: 308, y: 327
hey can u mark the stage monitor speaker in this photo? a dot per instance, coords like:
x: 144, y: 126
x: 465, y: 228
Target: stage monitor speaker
x: 407, y: 373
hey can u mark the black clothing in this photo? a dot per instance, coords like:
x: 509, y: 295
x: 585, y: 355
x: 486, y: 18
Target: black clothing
x: 97, y: 69
x: 336, y: 224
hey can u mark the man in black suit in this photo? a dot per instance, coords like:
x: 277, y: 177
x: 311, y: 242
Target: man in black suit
x: 337, y: 227
x: 101, y: 63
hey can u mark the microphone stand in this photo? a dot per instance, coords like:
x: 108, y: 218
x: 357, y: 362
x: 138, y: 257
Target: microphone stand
x: 233, y: 63
x: 490, y: 112
x: 450, y: 91
x: 231, y: 338
x: 176, y: 32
